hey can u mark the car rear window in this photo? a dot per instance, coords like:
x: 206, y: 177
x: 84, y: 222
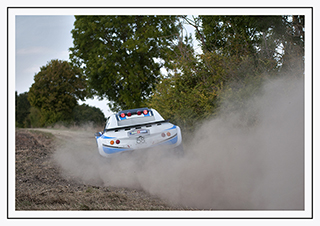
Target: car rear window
x: 136, y: 120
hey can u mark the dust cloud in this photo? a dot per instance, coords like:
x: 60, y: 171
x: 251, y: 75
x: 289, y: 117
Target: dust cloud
x: 249, y: 159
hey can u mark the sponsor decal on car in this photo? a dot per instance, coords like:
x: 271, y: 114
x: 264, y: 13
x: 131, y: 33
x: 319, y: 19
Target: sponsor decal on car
x: 138, y: 132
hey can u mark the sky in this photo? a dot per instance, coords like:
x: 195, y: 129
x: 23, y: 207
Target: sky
x: 40, y: 39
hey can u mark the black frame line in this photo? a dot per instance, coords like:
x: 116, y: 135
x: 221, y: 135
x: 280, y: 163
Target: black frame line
x: 159, y: 218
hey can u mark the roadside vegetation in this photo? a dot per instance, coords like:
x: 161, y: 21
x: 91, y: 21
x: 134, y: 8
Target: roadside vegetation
x: 138, y: 61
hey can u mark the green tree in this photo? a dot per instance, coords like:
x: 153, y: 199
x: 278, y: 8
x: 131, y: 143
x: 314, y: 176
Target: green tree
x: 84, y: 113
x: 275, y: 43
x: 292, y: 39
x: 55, y: 91
x: 122, y: 55
x: 238, y: 52
x: 22, y: 108
x: 188, y: 94
x: 33, y: 119
x: 240, y: 37
x: 255, y: 47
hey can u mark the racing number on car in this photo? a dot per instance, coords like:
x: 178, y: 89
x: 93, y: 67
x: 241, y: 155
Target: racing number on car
x: 140, y: 140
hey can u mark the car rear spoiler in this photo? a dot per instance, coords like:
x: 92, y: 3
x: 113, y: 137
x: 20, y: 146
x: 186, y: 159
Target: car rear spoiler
x: 136, y: 126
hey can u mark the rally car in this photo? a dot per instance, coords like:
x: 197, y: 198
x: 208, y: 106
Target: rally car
x: 133, y: 129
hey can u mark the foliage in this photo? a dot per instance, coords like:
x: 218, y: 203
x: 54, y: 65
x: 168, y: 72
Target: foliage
x: 238, y: 53
x: 33, y: 119
x: 55, y: 91
x: 53, y: 97
x: 84, y: 113
x: 293, y: 45
x: 22, y: 108
x: 235, y: 35
x: 120, y: 55
x: 29, y: 117
x: 278, y: 41
x: 189, y: 94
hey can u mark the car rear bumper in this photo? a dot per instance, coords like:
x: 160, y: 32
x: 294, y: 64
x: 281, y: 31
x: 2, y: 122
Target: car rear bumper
x: 107, y: 150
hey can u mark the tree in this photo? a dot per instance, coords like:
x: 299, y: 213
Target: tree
x: 121, y: 55
x: 188, y: 94
x: 240, y: 37
x: 84, y: 113
x: 55, y: 91
x: 292, y: 59
x: 33, y: 119
x: 274, y: 42
x: 238, y: 52
x: 22, y: 108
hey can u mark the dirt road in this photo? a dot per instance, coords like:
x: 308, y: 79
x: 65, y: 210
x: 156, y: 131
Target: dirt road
x: 229, y: 163
x: 46, y: 162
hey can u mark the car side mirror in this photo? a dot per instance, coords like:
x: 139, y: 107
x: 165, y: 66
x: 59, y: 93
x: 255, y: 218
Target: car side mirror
x: 98, y: 134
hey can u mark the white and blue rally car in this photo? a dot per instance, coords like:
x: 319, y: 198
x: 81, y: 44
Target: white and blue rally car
x: 139, y: 128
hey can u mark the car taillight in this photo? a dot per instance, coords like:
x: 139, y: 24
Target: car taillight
x: 129, y: 114
x: 163, y: 134
x: 122, y: 115
x: 139, y: 113
x: 168, y: 134
x: 112, y: 142
x: 145, y: 112
x: 117, y: 141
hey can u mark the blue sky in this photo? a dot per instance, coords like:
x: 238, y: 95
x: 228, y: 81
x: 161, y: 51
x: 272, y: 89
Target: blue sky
x: 39, y: 39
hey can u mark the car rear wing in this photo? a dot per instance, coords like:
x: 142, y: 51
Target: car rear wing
x: 136, y: 126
